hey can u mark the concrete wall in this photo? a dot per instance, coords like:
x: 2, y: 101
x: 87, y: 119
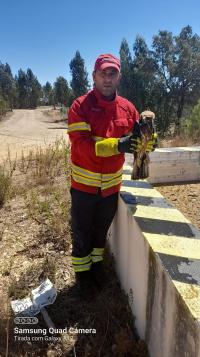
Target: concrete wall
x: 157, y: 253
x: 173, y: 164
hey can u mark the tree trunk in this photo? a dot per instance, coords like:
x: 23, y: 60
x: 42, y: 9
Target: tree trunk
x: 179, y: 114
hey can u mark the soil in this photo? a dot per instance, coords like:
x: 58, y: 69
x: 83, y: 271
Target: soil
x: 185, y: 197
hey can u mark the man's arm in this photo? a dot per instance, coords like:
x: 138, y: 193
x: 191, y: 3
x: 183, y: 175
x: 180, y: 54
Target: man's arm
x: 79, y: 131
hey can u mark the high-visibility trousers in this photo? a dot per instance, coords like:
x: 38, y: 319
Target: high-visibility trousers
x: 91, y: 217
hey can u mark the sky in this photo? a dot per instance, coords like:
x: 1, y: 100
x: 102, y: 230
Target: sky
x: 45, y: 34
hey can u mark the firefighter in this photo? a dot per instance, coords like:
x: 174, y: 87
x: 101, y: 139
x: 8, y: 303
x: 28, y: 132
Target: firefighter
x: 100, y: 124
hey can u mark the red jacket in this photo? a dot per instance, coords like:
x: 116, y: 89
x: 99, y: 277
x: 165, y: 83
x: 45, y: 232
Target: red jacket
x: 90, y: 119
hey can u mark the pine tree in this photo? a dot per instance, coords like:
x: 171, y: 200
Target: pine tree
x: 33, y: 89
x: 62, y: 91
x: 47, y: 93
x: 79, y: 82
x: 7, y: 85
x: 21, y: 80
x: 29, y: 89
x: 144, y: 68
x: 126, y: 83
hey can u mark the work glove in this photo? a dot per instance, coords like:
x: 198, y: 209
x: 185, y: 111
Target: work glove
x: 129, y: 144
x: 152, y: 144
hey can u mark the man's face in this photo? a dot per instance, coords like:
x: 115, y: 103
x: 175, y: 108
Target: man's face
x: 106, y: 80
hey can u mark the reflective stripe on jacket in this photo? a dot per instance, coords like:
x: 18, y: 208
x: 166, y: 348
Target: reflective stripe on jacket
x: 92, y: 119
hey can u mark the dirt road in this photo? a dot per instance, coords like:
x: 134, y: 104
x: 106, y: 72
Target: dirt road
x: 25, y: 129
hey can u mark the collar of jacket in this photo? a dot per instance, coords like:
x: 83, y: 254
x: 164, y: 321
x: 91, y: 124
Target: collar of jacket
x: 105, y: 103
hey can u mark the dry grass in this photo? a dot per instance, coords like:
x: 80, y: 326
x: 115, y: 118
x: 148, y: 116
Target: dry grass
x: 35, y: 204
x: 36, y: 243
x: 57, y: 115
x: 5, y: 184
x: 178, y: 141
x: 42, y: 166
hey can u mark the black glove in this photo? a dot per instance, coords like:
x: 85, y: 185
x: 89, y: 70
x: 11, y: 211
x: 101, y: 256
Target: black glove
x: 129, y: 144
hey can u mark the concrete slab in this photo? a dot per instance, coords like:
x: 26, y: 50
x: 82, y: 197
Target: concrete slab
x: 157, y: 252
x: 176, y: 164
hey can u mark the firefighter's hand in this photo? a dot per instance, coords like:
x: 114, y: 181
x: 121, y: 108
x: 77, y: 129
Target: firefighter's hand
x: 129, y: 144
x: 152, y: 144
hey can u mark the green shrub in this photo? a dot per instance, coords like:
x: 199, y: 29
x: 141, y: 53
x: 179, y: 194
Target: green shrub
x: 192, y: 127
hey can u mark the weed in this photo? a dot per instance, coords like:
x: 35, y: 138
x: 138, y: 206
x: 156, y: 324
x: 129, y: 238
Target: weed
x: 5, y: 184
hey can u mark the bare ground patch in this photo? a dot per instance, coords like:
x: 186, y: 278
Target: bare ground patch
x: 185, y: 197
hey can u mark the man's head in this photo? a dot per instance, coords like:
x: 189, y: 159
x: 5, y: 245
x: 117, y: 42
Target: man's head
x: 106, y: 74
